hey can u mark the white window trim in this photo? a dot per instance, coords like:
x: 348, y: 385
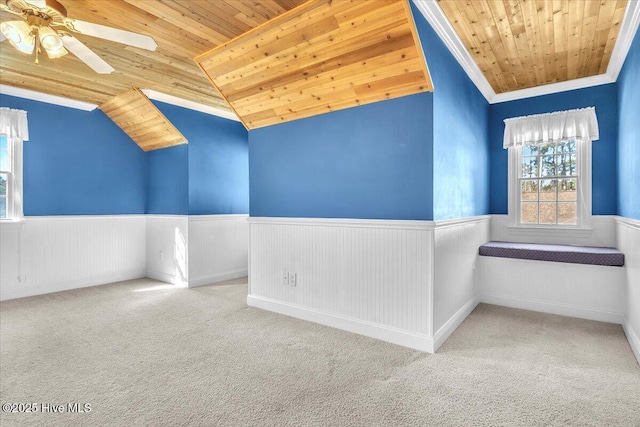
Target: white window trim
x: 15, y: 213
x: 584, y: 210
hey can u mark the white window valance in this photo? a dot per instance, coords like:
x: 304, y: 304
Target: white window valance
x: 13, y: 123
x: 580, y: 125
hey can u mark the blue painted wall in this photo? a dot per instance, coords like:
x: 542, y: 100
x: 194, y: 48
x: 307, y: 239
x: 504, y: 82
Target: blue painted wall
x: 418, y: 157
x: 460, y: 132
x: 78, y: 163
x: 217, y: 164
x: 369, y: 162
x: 605, y: 150
x: 168, y: 181
x: 629, y: 133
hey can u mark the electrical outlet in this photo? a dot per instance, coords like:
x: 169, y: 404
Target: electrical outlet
x: 293, y: 279
x: 161, y: 255
x: 285, y: 278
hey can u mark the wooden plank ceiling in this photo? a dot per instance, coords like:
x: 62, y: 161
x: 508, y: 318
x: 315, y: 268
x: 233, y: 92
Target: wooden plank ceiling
x: 517, y: 44
x: 520, y: 44
x: 181, y: 28
x: 322, y: 56
x: 139, y: 118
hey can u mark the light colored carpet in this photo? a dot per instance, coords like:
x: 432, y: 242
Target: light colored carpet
x: 144, y: 354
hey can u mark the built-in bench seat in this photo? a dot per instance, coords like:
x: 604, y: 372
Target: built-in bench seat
x: 555, y: 253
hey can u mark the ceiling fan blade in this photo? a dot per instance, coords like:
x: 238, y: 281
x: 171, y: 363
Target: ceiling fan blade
x: 40, y: 4
x: 113, y: 34
x: 86, y: 55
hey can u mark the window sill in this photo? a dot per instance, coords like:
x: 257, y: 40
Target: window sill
x: 528, y: 230
x: 11, y: 224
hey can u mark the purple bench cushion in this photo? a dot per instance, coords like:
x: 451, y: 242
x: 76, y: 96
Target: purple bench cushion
x: 556, y: 253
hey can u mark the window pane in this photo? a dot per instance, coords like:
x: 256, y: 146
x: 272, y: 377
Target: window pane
x: 548, y: 166
x: 547, y: 149
x: 567, y: 189
x: 529, y: 213
x: 3, y: 207
x: 4, y: 160
x: 548, y: 189
x: 3, y: 143
x: 573, y: 170
x: 567, y: 213
x: 566, y: 164
x: 530, y: 150
x: 547, y: 213
x: 563, y: 147
x: 529, y: 167
x: 529, y: 191
x: 3, y: 184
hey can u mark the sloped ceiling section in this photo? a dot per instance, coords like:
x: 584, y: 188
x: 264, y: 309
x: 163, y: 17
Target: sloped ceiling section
x: 319, y: 57
x: 518, y: 44
x: 139, y: 118
x: 182, y: 29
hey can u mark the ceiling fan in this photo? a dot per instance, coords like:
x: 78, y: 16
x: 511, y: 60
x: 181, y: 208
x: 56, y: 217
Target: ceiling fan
x: 44, y: 25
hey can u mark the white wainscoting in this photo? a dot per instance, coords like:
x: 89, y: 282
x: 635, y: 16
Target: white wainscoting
x: 576, y: 290
x: 602, y: 233
x: 372, y: 277
x: 167, y: 251
x: 456, y: 256
x: 628, y: 231
x: 54, y: 253
x: 218, y: 248
x: 50, y: 254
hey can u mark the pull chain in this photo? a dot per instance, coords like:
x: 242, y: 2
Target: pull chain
x: 37, y: 47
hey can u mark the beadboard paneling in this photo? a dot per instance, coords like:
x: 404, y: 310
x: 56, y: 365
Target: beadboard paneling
x: 370, y: 271
x: 49, y: 254
x: 602, y: 233
x: 628, y: 232
x: 218, y: 248
x: 456, y: 255
x: 167, y: 248
x: 577, y: 290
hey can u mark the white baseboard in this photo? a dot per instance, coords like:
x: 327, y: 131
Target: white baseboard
x: 634, y: 341
x: 452, y: 324
x: 554, y: 308
x: 361, y: 327
x: 215, y: 278
x: 70, y: 284
x: 165, y: 277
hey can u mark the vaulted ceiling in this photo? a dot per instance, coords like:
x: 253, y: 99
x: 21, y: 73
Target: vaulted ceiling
x: 516, y: 43
x: 323, y: 56
x: 182, y: 29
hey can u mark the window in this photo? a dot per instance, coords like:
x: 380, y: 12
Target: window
x: 13, y: 131
x: 5, y: 177
x: 550, y: 169
x: 548, y: 184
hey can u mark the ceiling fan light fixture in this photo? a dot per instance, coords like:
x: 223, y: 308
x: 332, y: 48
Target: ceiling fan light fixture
x: 51, y: 42
x: 19, y: 34
x: 59, y: 53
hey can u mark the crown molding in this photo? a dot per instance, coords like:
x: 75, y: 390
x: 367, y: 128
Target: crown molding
x: 45, y: 97
x: 628, y: 30
x: 601, y: 79
x: 191, y: 105
x: 441, y: 25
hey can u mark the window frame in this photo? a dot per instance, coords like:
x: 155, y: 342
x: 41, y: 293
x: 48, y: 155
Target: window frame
x: 583, y: 208
x: 14, y: 181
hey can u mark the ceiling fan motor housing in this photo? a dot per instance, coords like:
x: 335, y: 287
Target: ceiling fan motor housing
x: 53, y: 13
